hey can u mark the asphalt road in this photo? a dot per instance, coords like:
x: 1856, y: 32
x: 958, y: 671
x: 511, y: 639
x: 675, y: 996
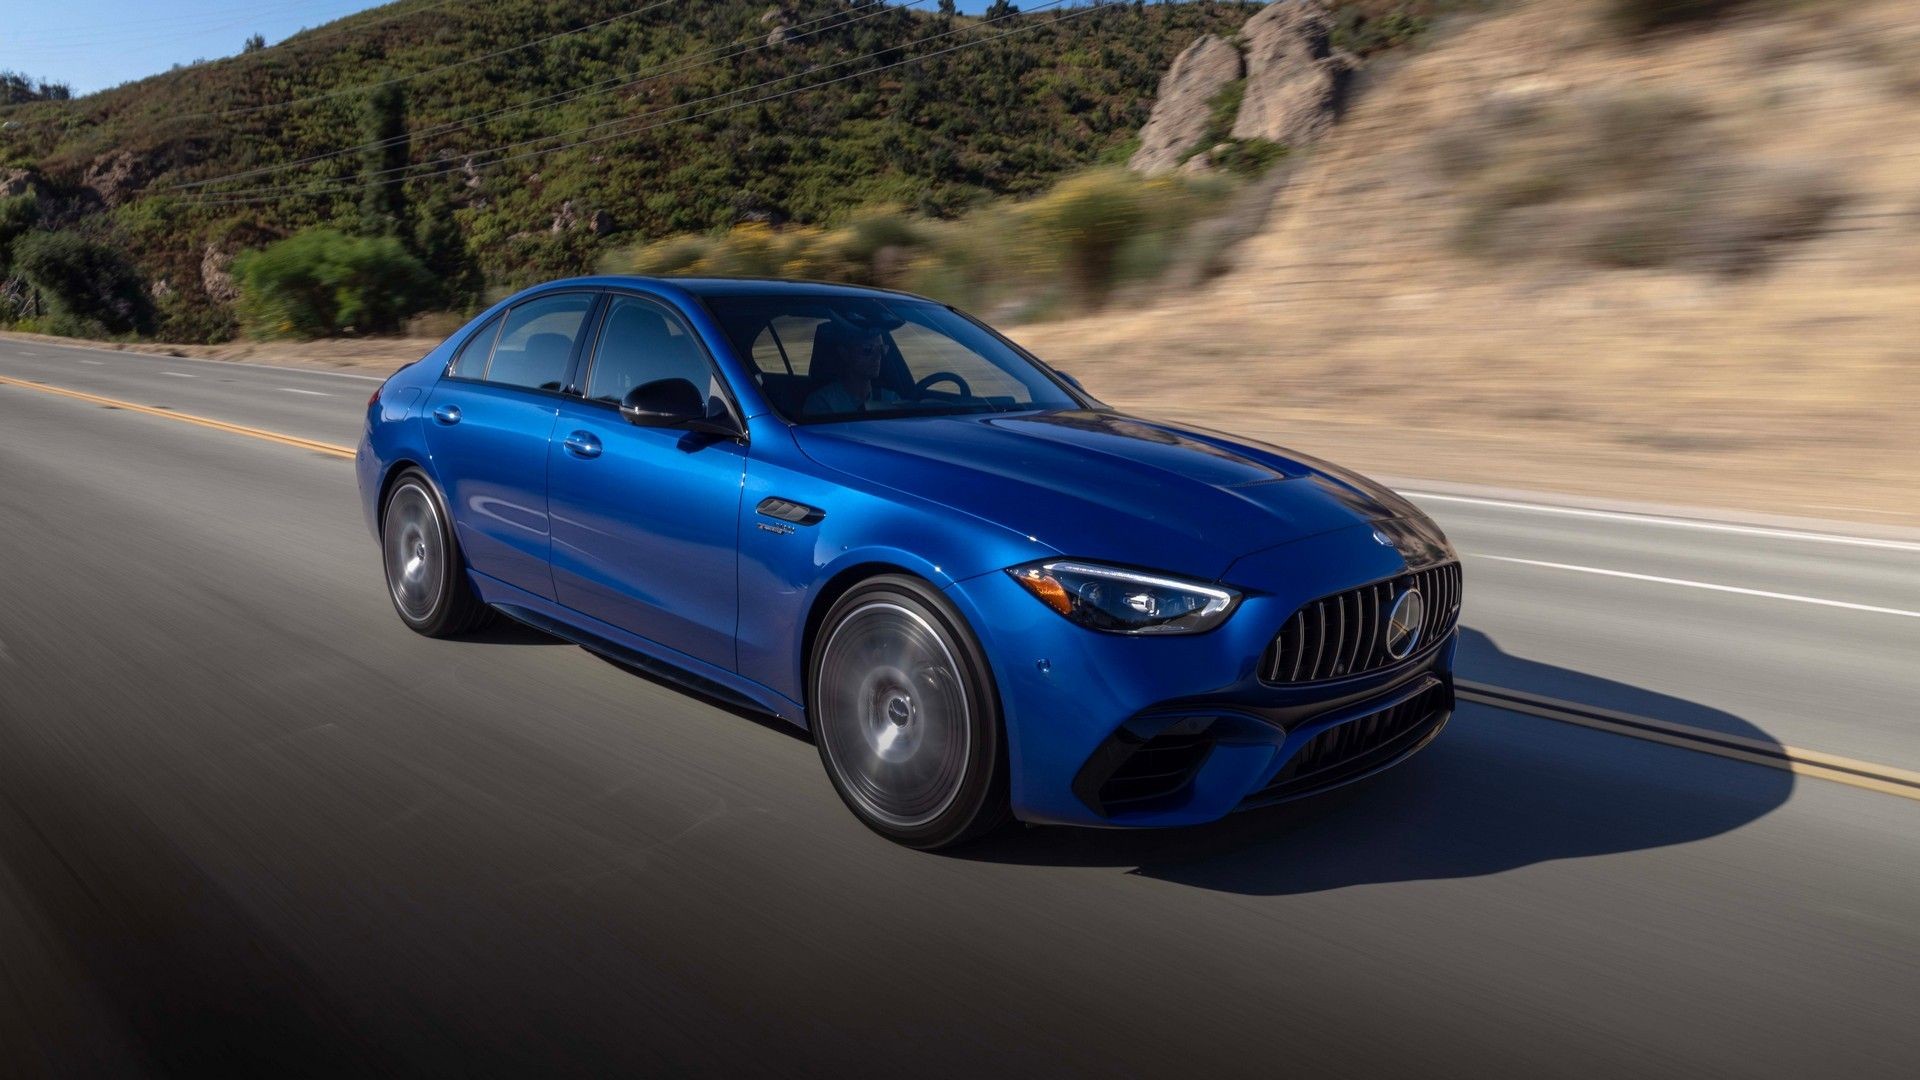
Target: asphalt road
x: 248, y: 821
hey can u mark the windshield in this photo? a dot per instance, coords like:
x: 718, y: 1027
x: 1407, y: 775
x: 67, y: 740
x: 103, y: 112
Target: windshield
x: 826, y: 358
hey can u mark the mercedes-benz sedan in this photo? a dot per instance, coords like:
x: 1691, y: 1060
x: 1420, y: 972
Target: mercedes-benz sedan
x: 982, y: 591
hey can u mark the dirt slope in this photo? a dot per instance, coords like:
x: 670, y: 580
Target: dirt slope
x: 1537, y: 254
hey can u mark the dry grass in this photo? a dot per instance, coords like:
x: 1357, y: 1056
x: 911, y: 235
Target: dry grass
x: 1762, y: 350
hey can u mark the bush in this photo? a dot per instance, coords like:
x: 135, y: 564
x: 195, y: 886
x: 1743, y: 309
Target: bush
x: 18, y: 215
x: 89, y: 288
x: 1089, y: 218
x: 323, y: 282
x: 1247, y: 157
x: 1067, y: 250
x: 1647, y: 16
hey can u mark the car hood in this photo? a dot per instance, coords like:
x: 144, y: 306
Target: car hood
x: 1102, y: 485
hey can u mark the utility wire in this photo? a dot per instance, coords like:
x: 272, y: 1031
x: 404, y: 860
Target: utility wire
x: 217, y: 199
x: 247, y: 110
x: 613, y: 83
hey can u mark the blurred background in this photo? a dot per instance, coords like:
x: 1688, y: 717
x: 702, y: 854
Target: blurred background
x: 1625, y: 293
x: 1658, y: 248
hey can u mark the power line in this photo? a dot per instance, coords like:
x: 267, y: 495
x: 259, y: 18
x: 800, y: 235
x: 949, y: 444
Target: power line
x: 637, y: 77
x: 247, y: 110
x: 217, y: 199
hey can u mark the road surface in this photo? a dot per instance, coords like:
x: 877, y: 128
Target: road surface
x: 248, y: 821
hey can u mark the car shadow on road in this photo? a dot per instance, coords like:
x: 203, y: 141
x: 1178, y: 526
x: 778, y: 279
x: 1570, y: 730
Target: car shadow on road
x: 1497, y: 791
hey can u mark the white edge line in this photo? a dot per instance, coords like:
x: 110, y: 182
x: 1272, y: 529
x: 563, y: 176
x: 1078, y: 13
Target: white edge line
x: 163, y: 358
x: 1701, y: 585
x: 179, y: 374
x: 310, y: 393
x: 1673, y: 522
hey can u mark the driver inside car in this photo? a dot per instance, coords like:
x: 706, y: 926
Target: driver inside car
x: 851, y: 363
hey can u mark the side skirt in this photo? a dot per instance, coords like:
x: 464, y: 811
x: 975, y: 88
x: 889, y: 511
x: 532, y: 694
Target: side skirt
x: 694, y: 675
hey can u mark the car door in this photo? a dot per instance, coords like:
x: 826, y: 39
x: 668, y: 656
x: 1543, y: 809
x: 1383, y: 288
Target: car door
x: 646, y: 520
x: 488, y: 423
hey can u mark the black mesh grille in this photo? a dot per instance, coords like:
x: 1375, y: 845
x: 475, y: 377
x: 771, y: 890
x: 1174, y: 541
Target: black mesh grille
x: 1158, y: 768
x: 1346, y: 633
x: 1358, y: 745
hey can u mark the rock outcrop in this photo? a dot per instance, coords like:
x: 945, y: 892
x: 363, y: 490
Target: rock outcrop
x: 216, y: 275
x: 115, y: 177
x: 14, y: 182
x: 1180, y: 111
x: 1296, y: 82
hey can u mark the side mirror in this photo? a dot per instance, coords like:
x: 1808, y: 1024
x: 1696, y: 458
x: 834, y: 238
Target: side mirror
x: 673, y: 403
x: 1073, y: 382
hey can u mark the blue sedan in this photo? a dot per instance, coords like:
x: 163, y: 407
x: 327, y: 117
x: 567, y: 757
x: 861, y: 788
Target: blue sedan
x: 984, y: 593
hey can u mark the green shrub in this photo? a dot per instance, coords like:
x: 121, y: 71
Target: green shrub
x: 1088, y: 219
x: 1248, y: 157
x: 323, y: 282
x: 88, y: 288
x: 1647, y: 16
x: 1065, y: 251
x: 18, y: 215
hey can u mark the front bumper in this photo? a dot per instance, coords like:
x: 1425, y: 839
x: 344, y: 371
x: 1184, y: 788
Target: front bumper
x: 1111, y: 730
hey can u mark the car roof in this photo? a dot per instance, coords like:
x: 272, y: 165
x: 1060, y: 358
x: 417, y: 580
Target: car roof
x: 725, y: 286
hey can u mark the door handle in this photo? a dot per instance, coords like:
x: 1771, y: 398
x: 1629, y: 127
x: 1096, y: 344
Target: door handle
x: 447, y: 414
x: 582, y: 444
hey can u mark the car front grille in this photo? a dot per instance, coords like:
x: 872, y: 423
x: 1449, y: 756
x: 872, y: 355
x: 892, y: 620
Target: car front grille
x: 1346, y: 633
x: 1360, y: 745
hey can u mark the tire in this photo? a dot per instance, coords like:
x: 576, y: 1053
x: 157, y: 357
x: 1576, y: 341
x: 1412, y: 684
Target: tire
x: 905, y: 716
x: 426, y: 575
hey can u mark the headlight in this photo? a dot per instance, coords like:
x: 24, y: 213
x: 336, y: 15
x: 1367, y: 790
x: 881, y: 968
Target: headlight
x: 1125, y: 601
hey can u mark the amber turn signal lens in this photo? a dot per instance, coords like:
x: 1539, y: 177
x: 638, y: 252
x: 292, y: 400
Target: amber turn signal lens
x: 1046, y: 589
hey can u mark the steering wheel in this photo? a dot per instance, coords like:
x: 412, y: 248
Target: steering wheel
x: 920, y: 388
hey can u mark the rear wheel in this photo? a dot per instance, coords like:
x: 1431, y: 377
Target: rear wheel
x: 426, y: 577
x: 904, y: 713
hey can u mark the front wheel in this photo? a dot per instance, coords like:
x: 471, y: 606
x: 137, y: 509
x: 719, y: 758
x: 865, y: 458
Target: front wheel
x: 425, y: 575
x: 905, y: 716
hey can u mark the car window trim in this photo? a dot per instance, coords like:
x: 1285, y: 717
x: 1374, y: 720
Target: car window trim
x: 588, y: 359
x: 494, y: 324
x: 587, y: 327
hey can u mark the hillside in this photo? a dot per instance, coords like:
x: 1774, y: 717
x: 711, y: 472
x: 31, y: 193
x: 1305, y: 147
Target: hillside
x: 1019, y: 100
x: 1681, y: 267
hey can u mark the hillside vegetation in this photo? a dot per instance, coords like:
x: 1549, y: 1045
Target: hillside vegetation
x: 1027, y: 100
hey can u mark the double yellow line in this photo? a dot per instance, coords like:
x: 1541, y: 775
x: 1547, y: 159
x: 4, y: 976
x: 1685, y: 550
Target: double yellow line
x: 186, y: 418
x: 1885, y: 779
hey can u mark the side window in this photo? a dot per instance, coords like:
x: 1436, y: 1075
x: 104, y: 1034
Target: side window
x: 536, y: 342
x: 786, y: 345
x: 642, y: 342
x: 471, y: 361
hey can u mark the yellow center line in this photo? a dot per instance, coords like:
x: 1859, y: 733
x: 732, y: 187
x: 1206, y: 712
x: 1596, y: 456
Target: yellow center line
x: 1886, y: 779
x: 186, y: 418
